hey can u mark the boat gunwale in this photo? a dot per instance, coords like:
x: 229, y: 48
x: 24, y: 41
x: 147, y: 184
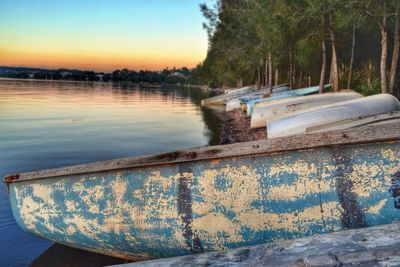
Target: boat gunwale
x: 359, y: 135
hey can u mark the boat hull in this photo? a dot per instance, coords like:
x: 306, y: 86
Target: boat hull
x: 236, y: 103
x: 299, y: 121
x: 208, y: 205
x: 232, y: 104
x: 238, y: 93
x: 265, y: 111
x: 288, y: 94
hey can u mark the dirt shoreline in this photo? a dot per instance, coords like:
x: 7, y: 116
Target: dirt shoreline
x: 235, y: 128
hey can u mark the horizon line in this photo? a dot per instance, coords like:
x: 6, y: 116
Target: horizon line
x: 93, y: 70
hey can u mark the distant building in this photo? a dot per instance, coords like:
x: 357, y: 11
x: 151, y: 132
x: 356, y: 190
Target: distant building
x: 65, y: 74
x: 100, y: 76
x: 178, y: 74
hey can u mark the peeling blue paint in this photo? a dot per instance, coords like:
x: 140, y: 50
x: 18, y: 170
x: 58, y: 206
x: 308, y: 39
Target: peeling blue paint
x: 231, y: 202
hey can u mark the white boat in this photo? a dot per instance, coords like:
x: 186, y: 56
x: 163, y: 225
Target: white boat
x: 289, y: 94
x: 225, y: 98
x: 280, y: 88
x: 298, y: 122
x: 246, y: 89
x: 232, y: 104
x: 264, y: 111
x: 249, y: 89
x: 237, y: 102
x: 391, y: 117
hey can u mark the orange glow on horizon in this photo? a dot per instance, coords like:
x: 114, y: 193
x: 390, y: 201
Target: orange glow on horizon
x: 107, y: 62
x: 102, y: 35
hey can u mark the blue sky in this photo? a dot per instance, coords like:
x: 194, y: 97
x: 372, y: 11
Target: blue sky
x: 102, y: 34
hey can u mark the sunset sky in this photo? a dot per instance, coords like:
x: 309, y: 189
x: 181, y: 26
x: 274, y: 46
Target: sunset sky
x: 102, y: 35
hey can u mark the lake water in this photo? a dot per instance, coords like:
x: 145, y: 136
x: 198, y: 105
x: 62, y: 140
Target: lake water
x: 45, y: 124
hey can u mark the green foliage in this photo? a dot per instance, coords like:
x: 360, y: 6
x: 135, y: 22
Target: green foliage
x: 243, y: 32
x: 167, y: 76
x: 366, y: 80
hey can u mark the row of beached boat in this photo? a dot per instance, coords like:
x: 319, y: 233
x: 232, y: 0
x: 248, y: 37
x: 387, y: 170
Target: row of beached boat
x: 289, y: 112
x: 228, y: 196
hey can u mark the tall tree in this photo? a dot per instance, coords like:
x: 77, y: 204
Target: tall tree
x: 351, y: 64
x: 334, y: 65
x: 249, y: 40
x: 395, y: 54
x: 378, y: 11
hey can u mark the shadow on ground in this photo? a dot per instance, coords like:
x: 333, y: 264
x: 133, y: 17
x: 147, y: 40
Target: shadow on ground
x: 63, y: 256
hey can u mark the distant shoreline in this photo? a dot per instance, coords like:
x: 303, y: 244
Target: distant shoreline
x: 165, y: 76
x: 155, y: 85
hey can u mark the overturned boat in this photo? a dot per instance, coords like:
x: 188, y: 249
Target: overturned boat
x: 298, y: 122
x: 268, y: 110
x: 246, y: 90
x: 391, y: 117
x: 214, y: 198
x: 287, y: 94
x: 238, y: 102
x: 262, y: 94
x: 225, y: 98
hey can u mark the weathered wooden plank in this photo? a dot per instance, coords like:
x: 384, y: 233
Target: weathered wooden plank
x: 374, y: 246
x: 365, y: 134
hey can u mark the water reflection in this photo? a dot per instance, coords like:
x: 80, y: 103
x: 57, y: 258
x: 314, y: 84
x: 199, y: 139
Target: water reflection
x: 47, y: 124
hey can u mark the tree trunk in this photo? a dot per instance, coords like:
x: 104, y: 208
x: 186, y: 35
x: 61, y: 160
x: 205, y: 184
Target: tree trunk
x: 353, y: 49
x: 288, y: 77
x: 239, y: 83
x: 309, y: 81
x: 370, y: 76
x: 266, y: 72
x: 294, y: 68
x: 395, y: 56
x: 301, y: 79
x: 335, y: 69
x: 323, y: 68
x: 276, y: 76
x: 330, y: 72
x: 290, y: 70
x: 270, y: 71
x: 384, y: 44
x: 258, y: 78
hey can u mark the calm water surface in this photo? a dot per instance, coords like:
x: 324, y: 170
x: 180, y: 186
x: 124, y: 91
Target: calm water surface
x: 47, y: 124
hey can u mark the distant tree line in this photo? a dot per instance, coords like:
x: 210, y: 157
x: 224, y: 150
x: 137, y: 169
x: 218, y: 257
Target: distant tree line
x: 348, y: 43
x: 166, y: 76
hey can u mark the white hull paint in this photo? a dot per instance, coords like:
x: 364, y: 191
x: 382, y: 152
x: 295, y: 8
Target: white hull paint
x: 238, y: 93
x: 245, y: 89
x: 298, y: 122
x: 236, y: 103
x: 283, y: 95
x: 232, y: 104
x: 229, y: 95
x: 265, y: 111
x: 392, y: 117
